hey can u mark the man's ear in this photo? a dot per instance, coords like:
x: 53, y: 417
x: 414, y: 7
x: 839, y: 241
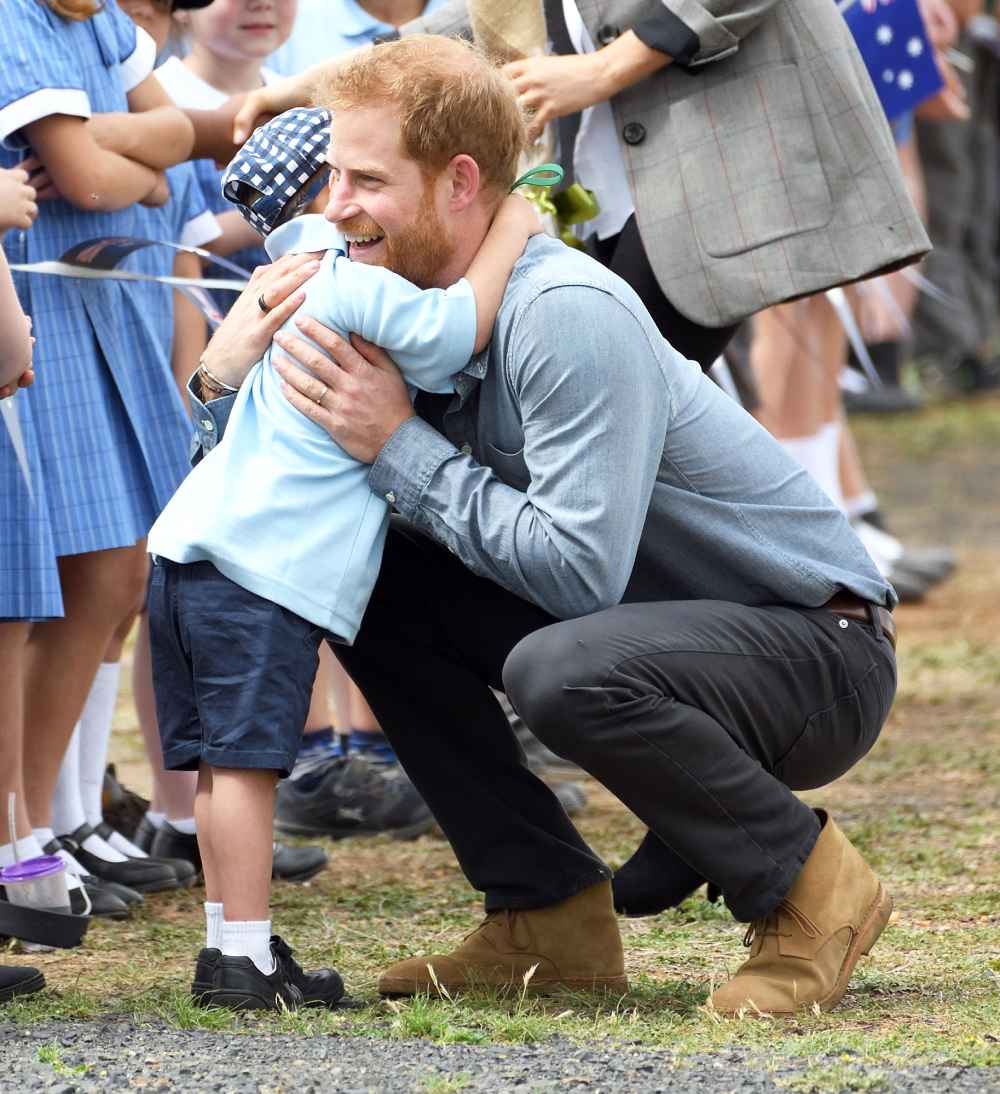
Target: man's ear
x: 463, y: 182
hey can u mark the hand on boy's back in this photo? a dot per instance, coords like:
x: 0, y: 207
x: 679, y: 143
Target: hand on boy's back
x: 517, y: 214
x: 353, y: 390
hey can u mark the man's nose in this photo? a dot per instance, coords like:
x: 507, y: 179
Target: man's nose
x: 341, y: 205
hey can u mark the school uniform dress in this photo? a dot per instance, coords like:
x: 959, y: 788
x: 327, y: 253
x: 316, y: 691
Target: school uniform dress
x: 95, y: 437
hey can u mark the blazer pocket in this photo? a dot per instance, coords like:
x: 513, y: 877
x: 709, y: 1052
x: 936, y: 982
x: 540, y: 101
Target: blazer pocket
x: 749, y: 160
x: 510, y: 466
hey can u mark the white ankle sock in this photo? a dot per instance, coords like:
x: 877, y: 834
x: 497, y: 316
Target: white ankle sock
x: 125, y: 846
x: 155, y: 819
x: 819, y: 454
x: 74, y: 871
x: 249, y: 938
x: 95, y: 731
x: 213, y: 924
x: 186, y: 827
x: 67, y: 804
x: 27, y: 847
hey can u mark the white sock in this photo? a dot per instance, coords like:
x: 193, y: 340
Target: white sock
x: 186, y: 827
x: 27, y: 847
x: 820, y: 456
x: 74, y: 871
x: 155, y: 819
x: 250, y: 938
x: 213, y: 924
x: 67, y: 804
x: 125, y: 846
x: 95, y: 731
x: 884, y: 549
x: 860, y: 504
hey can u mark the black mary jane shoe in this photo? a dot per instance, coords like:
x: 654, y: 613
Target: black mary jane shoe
x: 183, y: 870
x: 140, y: 875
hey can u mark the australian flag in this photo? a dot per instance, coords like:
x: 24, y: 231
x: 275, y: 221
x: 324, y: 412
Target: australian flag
x: 893, y: 42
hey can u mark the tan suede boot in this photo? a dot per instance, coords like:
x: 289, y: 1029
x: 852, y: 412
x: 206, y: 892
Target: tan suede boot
x: 575, y: 944
x: 804, y: 951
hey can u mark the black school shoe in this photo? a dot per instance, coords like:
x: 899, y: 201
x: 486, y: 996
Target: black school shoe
x: 19, y: 980
x: 141, y: 875
x: 287, y: 863
x: 106, y: 900
x: 183, y: 870
x: 322, y: 988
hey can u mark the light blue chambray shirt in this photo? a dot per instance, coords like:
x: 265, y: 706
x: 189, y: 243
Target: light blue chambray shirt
x: 586, y: 463
x: 278, y: 507
x: 324, y: 29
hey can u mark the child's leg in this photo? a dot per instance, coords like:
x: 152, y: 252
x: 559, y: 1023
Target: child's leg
x: 236, y: 857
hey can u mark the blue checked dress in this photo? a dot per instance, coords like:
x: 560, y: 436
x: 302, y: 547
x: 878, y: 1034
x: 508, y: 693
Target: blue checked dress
x: 100, y: 423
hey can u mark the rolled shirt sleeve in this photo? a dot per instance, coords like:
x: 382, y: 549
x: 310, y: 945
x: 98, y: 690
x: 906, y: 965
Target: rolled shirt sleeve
x: 562, y: 540
x: 210, y: 421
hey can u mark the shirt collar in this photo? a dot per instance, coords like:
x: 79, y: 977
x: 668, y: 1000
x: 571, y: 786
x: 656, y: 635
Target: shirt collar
x: 309, y: 232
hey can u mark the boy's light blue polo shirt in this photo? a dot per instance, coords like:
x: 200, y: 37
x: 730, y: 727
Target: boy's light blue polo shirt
x: 277, y: 506
x: 325, y: 29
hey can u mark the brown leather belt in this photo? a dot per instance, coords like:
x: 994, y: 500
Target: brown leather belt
x: 853, y: 607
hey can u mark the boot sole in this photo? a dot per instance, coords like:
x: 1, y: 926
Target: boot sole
x: 607, y: 985
x: 871, y: 929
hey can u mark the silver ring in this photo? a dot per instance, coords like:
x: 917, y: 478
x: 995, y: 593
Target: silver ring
x: 319, y: 400
x: 260, y: 304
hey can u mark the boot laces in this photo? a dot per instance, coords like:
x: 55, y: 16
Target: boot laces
x: 770, y: 925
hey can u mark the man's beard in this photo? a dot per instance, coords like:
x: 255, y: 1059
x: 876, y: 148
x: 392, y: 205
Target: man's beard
x: 418, y: 252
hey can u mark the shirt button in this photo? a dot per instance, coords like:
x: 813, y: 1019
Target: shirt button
x: 467, y: 449
x: 842, y: 624
x: 390, y: 497
x: 207, y: 424
x: 634, y: 133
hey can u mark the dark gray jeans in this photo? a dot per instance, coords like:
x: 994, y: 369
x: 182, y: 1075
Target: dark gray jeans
x: 700, y: 716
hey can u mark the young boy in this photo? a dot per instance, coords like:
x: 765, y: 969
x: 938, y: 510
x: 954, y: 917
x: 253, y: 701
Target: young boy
x: 273, y: 543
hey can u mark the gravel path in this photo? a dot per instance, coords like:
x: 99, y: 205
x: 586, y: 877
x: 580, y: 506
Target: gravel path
x: 119, y: 1056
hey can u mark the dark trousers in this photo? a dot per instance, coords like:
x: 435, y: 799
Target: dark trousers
x: 699, y: 716
x: 625, y: 255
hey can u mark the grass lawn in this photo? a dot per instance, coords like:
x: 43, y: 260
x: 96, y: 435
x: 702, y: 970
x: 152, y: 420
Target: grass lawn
x: 924, y: 808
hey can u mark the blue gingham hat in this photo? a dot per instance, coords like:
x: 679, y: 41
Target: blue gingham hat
x: 281, y: 168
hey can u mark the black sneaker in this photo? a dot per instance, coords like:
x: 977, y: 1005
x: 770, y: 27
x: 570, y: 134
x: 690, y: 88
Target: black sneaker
x: 237, y: 984
x: 182, y: 869
x: 141, y: 875
x: 204, y: 975
x: 322, y: 988
x: 19, y: 980
x: 351, y: 796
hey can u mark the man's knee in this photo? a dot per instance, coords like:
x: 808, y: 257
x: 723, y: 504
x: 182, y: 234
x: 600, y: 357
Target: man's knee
x: 546, y: 678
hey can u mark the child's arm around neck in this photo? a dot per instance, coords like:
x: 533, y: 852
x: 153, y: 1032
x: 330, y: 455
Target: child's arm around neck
x: 514, y: 224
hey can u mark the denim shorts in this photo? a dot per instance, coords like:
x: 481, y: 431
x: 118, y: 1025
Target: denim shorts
x: 233, y: 672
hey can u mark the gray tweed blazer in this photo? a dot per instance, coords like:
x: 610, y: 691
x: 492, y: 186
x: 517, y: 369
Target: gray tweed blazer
x: 762, y: 167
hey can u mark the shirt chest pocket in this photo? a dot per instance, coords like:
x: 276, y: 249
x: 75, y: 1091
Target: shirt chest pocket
x: 509, y: 466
